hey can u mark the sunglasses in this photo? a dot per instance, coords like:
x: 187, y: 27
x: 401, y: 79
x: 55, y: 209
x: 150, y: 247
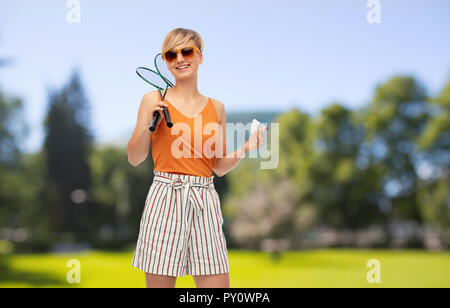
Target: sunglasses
x: 187, y: 52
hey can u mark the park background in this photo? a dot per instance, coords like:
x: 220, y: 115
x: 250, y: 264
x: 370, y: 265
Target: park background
x: 363, y: 112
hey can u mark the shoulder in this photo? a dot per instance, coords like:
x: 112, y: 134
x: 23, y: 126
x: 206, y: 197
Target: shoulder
x: 150, y: 96
x: 147, y: 100
x: 220, y: 107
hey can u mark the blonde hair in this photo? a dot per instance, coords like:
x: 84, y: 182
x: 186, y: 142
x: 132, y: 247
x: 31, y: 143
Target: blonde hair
x: 179, y: 36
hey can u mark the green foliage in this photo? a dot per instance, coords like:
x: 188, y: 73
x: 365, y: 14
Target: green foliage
x: 435, y: 139
x: 21, y: 178
x: 67, y: 147
x: 434, y: 193
x: 12, y: 130
x: 394, y: 120
x: 434, y: 203
x: 120, y: 190
x: 295, y: 145
x: 342, y: 191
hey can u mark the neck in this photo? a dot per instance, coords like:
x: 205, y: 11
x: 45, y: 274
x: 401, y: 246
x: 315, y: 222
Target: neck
x: 186, y: 90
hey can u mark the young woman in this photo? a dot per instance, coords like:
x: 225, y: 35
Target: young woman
x: 181, y: 225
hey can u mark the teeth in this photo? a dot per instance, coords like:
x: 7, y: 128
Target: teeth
x: 182, y: 67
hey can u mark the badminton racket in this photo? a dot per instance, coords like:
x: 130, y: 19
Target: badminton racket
x: 157, y: 80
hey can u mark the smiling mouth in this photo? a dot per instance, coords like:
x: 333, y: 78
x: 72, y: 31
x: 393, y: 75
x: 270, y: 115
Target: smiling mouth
x: 183, y: 67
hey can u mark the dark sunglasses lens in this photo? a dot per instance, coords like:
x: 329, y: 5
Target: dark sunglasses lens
x: 170, y: 55
x: 187, y: 52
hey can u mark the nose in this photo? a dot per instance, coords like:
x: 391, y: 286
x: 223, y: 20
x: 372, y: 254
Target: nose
x: 180, y: 57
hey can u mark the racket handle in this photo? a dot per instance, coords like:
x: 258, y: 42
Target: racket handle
x: 156, y: 118
x: 154, y: 121
x: 167, y: 116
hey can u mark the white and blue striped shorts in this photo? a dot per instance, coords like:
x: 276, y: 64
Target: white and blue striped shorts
x: 181, y: 228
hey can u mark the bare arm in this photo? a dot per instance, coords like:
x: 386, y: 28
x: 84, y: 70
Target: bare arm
x: 231, y: 160
x: 139, y: 144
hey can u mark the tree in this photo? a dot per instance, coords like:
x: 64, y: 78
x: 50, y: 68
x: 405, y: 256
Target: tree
x: 394, y: 120
x: 344, y: 189
x: 13, y: 130
x: 295, y: 144
x: 435, y: 138
x: 67, y: 145
x: 435, y: 168
x: 20, y: 210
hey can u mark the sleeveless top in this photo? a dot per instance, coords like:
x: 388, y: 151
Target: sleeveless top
x: 188, y: 147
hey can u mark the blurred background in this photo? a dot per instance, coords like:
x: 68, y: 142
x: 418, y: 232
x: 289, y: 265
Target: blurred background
x: 361, y: 92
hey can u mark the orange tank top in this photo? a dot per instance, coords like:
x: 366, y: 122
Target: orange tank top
x: 188, y: 147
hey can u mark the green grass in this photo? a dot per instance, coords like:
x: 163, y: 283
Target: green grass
x: 315, y: 268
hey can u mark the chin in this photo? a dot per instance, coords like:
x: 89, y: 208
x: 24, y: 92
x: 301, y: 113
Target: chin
x: 185, y: 76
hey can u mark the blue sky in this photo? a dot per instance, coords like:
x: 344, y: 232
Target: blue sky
x: 259, y: 55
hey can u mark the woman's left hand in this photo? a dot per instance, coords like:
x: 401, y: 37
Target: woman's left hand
x: 255, y: 141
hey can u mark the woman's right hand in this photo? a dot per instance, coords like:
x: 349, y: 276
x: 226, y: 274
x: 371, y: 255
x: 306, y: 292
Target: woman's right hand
x: 140, y: 141
x: 156, y: 106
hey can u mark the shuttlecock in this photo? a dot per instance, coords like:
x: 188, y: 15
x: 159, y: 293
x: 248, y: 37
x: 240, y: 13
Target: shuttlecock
x: 256, y: 124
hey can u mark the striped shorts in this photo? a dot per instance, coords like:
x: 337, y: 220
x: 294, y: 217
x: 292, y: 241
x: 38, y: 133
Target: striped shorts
x: 181, y: 228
